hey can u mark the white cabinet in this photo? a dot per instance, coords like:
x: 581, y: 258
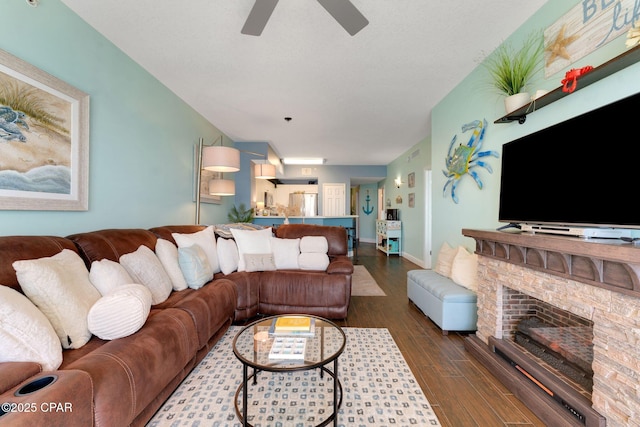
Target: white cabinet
x: 389, y: 236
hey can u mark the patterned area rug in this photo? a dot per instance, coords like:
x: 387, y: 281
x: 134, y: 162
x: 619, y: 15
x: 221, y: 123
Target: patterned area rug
x: 363, y: 284
x: 378, y: 386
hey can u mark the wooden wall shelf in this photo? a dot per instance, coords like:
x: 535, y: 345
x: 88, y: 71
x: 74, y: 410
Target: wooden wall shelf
x: 612, y: 66
x: 604, y: 263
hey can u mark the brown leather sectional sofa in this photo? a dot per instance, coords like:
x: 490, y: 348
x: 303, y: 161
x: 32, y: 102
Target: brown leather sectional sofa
x: 125, y: 381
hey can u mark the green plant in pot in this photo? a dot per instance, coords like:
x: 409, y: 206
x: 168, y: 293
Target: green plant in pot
x: 240, y: 214
x: 511, y: 69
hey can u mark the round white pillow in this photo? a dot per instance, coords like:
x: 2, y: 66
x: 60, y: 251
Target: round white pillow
x: 120, y: 313
x: 25, y: 332
x: 106, y: 275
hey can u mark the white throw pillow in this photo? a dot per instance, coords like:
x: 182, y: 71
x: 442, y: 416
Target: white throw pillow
x: 145, y: 268
x: 313, y: 261
x: 464, y: 270
x: 206, y: 239
x: 285, y: 253
x: 25, y: 333
x: 195, y: 266
x: 259, y: 262
x: 445, y: 260
x: 106, y: 275
x: 120, y: 313
x: 60, y: 287
x: 252, y: 242
x: 314, y: 244
x: 227, y: 255
x: 168, y: 255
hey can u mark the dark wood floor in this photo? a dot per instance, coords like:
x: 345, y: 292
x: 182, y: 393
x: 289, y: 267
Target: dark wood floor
x: 461, y: 391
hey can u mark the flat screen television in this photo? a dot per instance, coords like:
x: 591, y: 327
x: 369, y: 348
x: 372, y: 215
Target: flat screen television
x: 583, y: 172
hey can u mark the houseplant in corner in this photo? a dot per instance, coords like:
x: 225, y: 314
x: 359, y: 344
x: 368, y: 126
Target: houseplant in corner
x: 240, y: 214
x: 511, y: 69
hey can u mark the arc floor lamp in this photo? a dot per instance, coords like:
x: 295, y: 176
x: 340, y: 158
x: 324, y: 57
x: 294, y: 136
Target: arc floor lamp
x: 219, y: 158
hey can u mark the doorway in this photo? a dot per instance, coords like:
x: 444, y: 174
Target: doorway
x: 333, y: 199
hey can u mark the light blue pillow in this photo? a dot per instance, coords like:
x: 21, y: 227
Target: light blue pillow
x: 195, y: 266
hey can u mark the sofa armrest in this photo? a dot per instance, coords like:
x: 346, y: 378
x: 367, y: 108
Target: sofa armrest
x: 13, y: 373
x: 67, y: 401
x: 340, y: 264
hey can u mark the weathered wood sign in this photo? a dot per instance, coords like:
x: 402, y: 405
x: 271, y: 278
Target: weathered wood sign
x: 586, y: 27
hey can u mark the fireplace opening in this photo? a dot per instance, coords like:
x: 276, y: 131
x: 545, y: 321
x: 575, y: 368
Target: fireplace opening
x: 560, y: 341
x: 568, y: 349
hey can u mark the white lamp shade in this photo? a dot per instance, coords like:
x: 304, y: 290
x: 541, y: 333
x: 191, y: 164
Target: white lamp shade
x: 265, y: 171
x: 222, y: 187
x: 221, y: 159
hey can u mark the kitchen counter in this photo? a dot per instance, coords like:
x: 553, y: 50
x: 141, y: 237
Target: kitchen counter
x: 344, y: 220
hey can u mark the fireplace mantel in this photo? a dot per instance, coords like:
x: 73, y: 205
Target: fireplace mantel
x: 605, y: 263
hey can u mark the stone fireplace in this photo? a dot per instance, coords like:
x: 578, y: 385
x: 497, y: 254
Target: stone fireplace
x: 597, y: 284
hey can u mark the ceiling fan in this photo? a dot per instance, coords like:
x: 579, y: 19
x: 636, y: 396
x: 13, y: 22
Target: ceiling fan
x: 342, y: 11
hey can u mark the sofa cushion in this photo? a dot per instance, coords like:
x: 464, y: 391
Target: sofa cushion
x: 205, y: 239
x: 129, y: 373
x: 313, y: 253
x: 106, y: 275
x: 314, y: 244
x: 111, y: 243
x: 25, y: 333
x: 285, y: 253
x: 259, y: 262
x: 313, y: 261
x: 224, y: 230
x: 251, y: 242
x: 167, y: 253
x: 336, y: 236
x: 441, y: 287
x: 464, y: 269
x: 227, y: 255
x: 444, y: 262
x: 120, y: 313
x: 60, y: 287
x: 195, y: 266
x: 145, y: 268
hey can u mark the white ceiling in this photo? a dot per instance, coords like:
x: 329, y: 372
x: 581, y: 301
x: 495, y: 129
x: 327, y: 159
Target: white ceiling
x: 354, y: 100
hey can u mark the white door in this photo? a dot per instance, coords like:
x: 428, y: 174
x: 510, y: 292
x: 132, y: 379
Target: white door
x: 333, y: 199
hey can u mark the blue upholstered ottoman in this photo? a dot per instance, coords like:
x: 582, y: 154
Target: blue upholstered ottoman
x: 450, y: 306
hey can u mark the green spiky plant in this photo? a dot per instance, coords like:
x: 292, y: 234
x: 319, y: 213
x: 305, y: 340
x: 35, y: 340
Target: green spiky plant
x: 511, y: 69
x: 240, y: 214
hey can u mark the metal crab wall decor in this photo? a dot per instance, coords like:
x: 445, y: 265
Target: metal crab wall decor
x: 463, y: 159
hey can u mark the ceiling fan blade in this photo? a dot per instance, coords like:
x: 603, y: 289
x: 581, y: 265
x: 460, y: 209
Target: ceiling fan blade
x: 258, y: 17
x: 346, y: 14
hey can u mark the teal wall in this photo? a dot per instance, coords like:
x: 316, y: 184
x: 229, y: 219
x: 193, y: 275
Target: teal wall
x: 471, y: 101
x: 141, y: 134
x: 417, y: 160
x: 367, y: 222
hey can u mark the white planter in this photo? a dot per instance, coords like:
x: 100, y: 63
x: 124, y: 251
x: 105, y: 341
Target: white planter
x: 513, y: 102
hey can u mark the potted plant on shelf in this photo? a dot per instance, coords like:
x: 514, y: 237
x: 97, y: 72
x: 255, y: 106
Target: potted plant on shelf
x: 511, y: 69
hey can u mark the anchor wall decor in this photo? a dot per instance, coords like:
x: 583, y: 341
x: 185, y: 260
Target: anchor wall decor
x: 368, y: 209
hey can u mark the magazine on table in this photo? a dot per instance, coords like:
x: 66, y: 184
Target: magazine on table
x: 288, y: 347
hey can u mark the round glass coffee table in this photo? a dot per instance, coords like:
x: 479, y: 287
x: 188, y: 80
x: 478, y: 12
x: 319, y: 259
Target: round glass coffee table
x: 315, y: 349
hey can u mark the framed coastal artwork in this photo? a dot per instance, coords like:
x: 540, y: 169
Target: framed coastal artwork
x: 412, y: 179
x: 44, y: 140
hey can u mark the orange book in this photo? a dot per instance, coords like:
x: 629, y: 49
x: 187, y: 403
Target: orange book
x: 293, y: 323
